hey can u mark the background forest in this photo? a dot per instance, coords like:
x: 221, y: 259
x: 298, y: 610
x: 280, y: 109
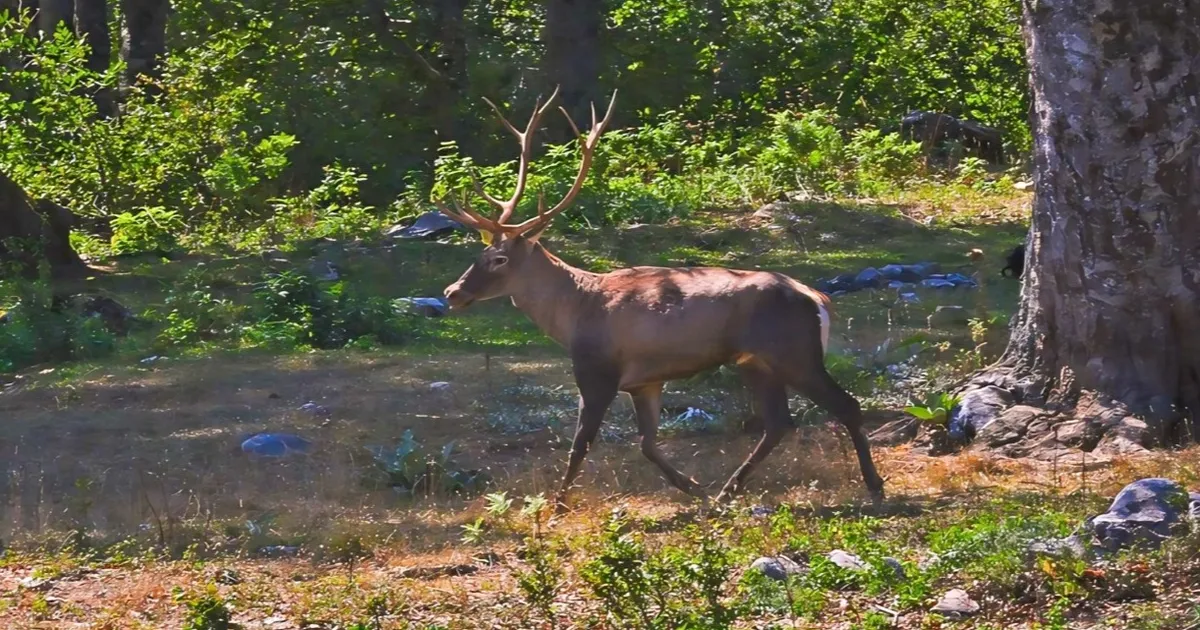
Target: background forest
x: 255, y: 120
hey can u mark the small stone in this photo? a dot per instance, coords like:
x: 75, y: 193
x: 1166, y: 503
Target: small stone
x: 1194, y: 506
x: 275, y: 444
x: 36, y: 584
x: 896, y: 566
x: 440, y: 386
x: 907, y: 298
x: 1070, y: 547
x: 956, y: 604
x: 1023, y: 186
x: 847, y: 560
x: 777, y: 567
x: 314, y: 409
x: 228, y: 577
x: 937, y: 283
x: 760, y: 511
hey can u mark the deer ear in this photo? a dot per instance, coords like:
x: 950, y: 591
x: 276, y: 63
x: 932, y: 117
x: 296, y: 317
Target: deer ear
x: 485, y: 236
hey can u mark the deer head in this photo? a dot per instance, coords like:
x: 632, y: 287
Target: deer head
x: 509, y: 245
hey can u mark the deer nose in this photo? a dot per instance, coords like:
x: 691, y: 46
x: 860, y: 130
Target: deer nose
x: 457, y: 298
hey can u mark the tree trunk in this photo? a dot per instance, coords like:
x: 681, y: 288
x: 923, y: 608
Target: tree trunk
x: 91, y: 24
x: 445, y: 96
x: 143, y: 39
x: 1109, y: 322
x: 30, y: 231
x: 572, y: 38
x: 52, y: 13
x: 446, y: 78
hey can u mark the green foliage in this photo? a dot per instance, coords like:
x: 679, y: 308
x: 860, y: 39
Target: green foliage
x: 206, y: 611
x: 936, y: 409
x: 410, y: 470
x: 149, y: 230
x: 674, y: 587
x: 37, y: 328
x: 298, y: 311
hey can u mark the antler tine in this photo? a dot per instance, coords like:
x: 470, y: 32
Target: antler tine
x: 588, y: 147
x: 494, y: 202
x: 466, y: 215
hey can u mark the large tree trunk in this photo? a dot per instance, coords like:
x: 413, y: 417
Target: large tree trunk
x: 1108, y: 329
x: 52, y: 13
x: 30, y: 231
x: 143, y: 39
x: 572, y: 38
x: 91, y: 24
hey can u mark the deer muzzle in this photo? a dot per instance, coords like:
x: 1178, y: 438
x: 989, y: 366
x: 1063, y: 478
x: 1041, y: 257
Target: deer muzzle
x: 457, y: 298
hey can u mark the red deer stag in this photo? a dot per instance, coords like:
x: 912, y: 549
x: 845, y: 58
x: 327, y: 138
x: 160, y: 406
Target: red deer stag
x: 634, y: 329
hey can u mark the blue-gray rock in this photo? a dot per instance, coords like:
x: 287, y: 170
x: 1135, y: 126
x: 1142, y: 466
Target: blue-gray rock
x: 275, y: 444
x: 937, y: 283
x: 960, y: 280
x: 847, y: 560
x: 761, y: 511
x: 908, y: 298
x: 426, y: 306
x: 869, y: 278
x: 1194, y: 506
x: 892, y: 272
x: 428, y: 225
x: 923, y: 269
x: 777, y: 567
x: 1143, y: 513
x: 314, y: 409
x: 896, y: 567
x: 977, y: 409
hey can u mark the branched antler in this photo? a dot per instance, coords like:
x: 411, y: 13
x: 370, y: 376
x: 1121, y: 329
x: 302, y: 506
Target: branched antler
x: 463, y: 213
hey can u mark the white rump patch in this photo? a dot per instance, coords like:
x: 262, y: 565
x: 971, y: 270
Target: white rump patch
x: 824, y: 328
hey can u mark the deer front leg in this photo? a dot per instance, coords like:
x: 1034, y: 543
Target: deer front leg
x: 594, y: 399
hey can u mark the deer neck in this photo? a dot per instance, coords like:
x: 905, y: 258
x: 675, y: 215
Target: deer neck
x: 552, y: 294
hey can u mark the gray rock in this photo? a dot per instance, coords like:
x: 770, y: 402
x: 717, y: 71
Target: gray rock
x: 1070, y: 547
x: 1143, y: 513
x: 440, y: 386
x: 1194, y: 506
x: 847, y: 560
x: 761, y: 511
x: 777, y: 567
x: 949, y: 315
x: 956, y: 604
x: 896, y: 566
x: 428, y: 225
x: 977, y: 409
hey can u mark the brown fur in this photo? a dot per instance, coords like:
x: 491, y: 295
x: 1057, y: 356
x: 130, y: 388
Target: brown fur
x: 635, y: 329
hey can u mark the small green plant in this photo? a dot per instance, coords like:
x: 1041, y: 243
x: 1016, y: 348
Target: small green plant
x: 206, y: 611
x: 411, y: 471
x: 935, y: 410
x: 473, y: 532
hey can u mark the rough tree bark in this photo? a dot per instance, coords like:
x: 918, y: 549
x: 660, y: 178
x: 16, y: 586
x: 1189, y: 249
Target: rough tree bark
x: 572, y: 61
x: 1105, y: 348
x: 91, y: 24
x: 52, y: 13
x: 30, y: 230
x: 143, y: 39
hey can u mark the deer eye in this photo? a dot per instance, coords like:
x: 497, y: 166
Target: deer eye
x: 499, y: 261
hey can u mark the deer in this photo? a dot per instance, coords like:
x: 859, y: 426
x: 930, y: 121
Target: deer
x: 632, y: 330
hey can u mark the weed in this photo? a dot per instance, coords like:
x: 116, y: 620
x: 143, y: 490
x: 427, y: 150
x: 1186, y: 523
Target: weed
x: 206, y: 611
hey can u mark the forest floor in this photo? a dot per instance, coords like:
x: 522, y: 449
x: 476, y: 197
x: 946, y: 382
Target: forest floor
x: 132, y: 505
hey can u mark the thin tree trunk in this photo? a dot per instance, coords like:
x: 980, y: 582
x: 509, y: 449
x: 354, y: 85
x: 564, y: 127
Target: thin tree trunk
x: 572, y: 38
x: 1109, y: 320
x: 52, y: 13
x: 445, y: 96
x: 91, y: 24
x: 143, y: 39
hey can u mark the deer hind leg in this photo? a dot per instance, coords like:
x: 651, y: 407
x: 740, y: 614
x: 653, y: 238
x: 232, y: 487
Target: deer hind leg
x: 811, y: 379
x: 771, y: 405
x: 594, y: 399
x: 647, y: 402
